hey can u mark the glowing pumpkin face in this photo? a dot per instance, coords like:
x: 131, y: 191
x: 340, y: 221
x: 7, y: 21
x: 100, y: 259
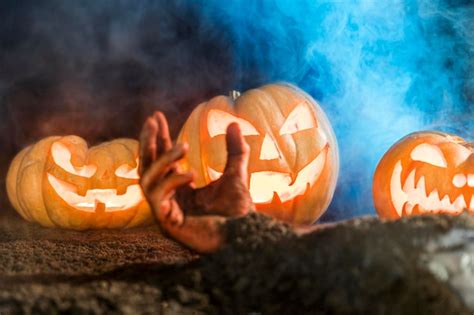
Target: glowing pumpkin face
x: 293, y: 163
x: 425, y: 172
x: 59, y: 181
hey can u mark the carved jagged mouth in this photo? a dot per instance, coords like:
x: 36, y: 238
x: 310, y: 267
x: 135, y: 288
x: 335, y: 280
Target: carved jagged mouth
x: 405, y: 198
x: 93, y: 197
x: 264, y: 186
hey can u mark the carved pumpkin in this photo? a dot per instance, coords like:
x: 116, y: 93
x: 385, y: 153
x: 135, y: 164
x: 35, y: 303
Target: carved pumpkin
x: 293, y: 164
x: 60, y: 182
x: 425, y: 172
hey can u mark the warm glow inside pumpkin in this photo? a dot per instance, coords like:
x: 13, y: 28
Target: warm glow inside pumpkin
x: 293, y: 158
x: 425, y: 172
x: 93, y: 198
x: 59, y: 181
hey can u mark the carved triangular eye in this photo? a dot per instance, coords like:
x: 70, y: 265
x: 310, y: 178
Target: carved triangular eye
x: 430, y: 154
x: 459, y: 154
x: 218, y: 121
x: 301, y: 118
x: 62, y: 157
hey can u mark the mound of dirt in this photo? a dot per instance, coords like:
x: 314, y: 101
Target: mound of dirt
x: 421, y: 265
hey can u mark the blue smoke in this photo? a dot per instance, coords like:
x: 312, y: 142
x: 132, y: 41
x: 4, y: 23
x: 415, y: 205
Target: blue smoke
x: 379, y: 69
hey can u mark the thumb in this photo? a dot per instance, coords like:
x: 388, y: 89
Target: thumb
x: 237, y: 152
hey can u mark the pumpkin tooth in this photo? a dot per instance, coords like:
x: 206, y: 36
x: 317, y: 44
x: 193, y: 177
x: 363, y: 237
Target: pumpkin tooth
x: 398, y: 196
x: 430, y: 183
x: 293, y: 177
x: 433, y: 200
x: 459, y: 204
x: 418, y: 176
x: 308, y: 188
x: 99, y: 207
x: 408, y: 209
x: 410, y: 182
x: 445, y: 202
x: 471, y: 204
x: 469, y: 200
x: 81, y: 191
x: 420, y: 186
x: 405, y: 171
x: 416, y: 210
x: 213, y: 174
x: 121, y: 190
x: 276, y: 199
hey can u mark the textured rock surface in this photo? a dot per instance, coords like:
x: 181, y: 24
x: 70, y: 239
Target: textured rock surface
x: 421, y: 265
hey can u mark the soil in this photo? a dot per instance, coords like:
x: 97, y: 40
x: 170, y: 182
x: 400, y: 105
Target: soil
x: 362, y: 266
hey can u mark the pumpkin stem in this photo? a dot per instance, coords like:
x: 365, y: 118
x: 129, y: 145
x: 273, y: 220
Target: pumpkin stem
x: 234, y: 94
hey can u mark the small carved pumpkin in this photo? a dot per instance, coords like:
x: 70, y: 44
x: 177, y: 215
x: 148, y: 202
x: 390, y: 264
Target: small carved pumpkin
x: 293, y: 164
x: 59, y: 181
x: 425, y: 172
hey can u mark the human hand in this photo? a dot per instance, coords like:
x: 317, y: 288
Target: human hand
x: 192, y: 216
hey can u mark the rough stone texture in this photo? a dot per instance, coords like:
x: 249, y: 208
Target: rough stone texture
x: 363, y: 266
x: 422, y: 265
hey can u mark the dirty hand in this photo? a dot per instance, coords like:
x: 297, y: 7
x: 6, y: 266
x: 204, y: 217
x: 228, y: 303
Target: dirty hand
x: 192, y: 216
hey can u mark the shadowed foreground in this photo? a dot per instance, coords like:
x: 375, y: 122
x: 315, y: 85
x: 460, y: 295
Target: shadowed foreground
x: 423, y: 265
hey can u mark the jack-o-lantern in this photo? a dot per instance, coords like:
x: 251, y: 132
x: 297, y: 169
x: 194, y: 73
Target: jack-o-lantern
x: 294, y: 162
x: 425, y: 172
x: 59, y: 181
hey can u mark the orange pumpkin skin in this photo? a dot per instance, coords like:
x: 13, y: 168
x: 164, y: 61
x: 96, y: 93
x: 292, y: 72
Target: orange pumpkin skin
x: 425, y: 172
x: 294, y: 163
x: 60, y: 182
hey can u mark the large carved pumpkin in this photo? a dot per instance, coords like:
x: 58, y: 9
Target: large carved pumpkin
x: 60, y: 182
x: 294, y: 161
x: 425, y: 172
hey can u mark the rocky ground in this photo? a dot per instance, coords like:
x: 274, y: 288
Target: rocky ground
x: 422, y: 265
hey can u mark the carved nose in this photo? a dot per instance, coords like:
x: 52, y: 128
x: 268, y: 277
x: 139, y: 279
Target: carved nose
x: 269, y: 149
